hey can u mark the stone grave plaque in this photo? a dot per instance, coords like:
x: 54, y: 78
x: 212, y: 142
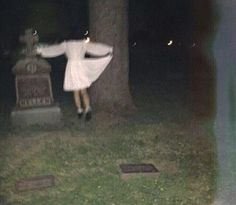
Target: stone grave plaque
x: 33, y: 91
x: 128, y: 170
x: 35, y: 183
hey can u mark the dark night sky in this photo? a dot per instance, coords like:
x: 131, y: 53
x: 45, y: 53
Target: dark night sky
x: 163, y: 17
x: 157, y: 19
x: 48, y: 17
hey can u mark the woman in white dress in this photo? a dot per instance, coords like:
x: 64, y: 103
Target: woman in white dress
x: 80, y: 72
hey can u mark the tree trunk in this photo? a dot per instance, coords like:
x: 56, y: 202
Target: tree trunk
x: 108, y: 21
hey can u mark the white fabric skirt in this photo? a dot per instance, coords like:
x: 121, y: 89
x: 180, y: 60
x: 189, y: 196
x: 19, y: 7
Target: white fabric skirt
x: 82, y: 73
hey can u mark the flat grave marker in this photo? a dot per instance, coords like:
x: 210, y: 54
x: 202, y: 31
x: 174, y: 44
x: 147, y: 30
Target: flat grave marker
x: 128, y: 170
x: 35, y: 183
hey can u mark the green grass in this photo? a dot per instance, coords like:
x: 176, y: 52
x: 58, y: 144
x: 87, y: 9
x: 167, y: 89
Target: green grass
x: 85, y: 158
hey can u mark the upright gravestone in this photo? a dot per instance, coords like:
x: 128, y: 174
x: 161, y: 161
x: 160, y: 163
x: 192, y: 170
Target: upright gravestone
x: 34, y: 98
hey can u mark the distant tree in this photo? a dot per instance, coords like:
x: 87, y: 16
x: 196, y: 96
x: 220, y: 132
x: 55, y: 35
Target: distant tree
x: 108, y: 23
x: 201, y: 57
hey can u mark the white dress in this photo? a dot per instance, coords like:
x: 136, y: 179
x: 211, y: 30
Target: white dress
x: 80, y: 72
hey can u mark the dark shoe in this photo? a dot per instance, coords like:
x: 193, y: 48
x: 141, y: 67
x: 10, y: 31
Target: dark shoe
x: 80, y: 115
x: 88, y: 115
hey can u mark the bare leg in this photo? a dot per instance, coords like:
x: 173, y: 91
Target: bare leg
x: 78, y: 103
x: 86, y: 101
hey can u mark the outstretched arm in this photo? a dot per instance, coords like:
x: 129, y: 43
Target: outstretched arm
x: 98, y: 49
x: 51, y: 51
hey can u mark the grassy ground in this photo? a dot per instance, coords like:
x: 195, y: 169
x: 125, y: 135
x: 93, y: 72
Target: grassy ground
x: 85, y: 157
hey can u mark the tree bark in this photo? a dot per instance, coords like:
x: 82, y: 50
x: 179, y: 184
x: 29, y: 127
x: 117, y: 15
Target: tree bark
x: 108, y: 23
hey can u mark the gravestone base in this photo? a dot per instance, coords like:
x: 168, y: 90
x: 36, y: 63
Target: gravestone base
x: 50, y: 115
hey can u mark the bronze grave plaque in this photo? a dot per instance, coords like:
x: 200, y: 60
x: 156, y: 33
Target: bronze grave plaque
x: 128, y: 170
